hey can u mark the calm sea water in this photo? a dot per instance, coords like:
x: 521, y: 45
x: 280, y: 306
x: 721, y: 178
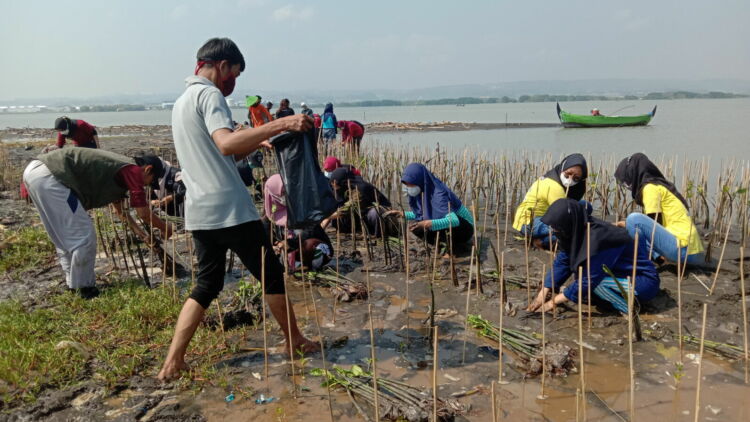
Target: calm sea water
x: 715, y: 129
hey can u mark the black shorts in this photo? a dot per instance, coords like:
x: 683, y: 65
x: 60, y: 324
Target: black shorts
x: 246, y: 240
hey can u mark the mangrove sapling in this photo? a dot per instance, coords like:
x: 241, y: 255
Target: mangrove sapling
x: 724, y: 350
x: 700, y: 365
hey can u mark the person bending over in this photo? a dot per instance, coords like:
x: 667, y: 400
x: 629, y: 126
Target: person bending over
x: 65, y: 183
x: 317, y: 249
x: 358, y: 201
x: 81, y: 133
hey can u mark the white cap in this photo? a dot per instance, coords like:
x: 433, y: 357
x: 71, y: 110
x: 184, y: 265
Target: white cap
x: 302, y: 104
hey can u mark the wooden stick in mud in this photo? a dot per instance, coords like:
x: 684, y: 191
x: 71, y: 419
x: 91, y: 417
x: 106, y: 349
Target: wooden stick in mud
x: 407, y: 269
x: 263, y: 307
x: 476, y: 250
x: 288, y: 315
x: 526, y: 241
x: 320, y: 334
x: 551, y: 273
x: 541, y: 395
x: 631, y: 399
x: 700, y: 365
x: 578, y: 404
x: 507, y: 218
x: 744, y: 310
x: 580, y: 338
x: 494, y: 400
x: 500, y: 322
x: 432, y: 283
x: 588, y: 269
x: 454, y: 277
x: 434, y: 373
x: 374, y: 367
x: 721, y: 257
x: 468, y: 295
x: 679, y: 298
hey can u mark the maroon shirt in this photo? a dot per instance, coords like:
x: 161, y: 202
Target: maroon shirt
x: 131, y: 178
x: 82, y: 136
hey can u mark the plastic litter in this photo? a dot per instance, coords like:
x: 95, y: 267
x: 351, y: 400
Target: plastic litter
x: 229, y: 398
x: 263, y: 399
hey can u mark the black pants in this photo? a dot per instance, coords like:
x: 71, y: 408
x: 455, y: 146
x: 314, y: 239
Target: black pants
x: 247, y: 241
x: 461, y: 233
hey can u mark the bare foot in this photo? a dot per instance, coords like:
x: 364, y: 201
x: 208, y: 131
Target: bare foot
x: 305, y: 345
x: 172, y: 370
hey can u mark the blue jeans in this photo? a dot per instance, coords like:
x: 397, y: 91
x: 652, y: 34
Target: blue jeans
x: 665, y: 243
x: 539, y: 230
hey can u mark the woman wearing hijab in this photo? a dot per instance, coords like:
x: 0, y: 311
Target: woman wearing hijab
x: 610, y: 246
x: 435, y: 209
x: 317, y: 249
x: 665, y: 212
x: 332, y: 163
x: 367, y: 201
x: 329, y: 124
x: 565, y: 180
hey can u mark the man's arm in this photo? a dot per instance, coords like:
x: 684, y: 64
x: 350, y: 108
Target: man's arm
x: 145, y: 215
x: 243, y: 142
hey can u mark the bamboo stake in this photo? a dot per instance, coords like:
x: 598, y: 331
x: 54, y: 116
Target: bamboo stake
x: 588, y: 268
x: 679, y: 298
x: 721, y: 258
x: 320, y: 338
x: 374, y: 367
x: 526, y: 261
x: 434, y: 373
x: 500, y: 322
x: 744, y: 310
x: 494, y: 400
x: 630, y: 349
x: 580, y: 338
x: 507, y: 218
x: 263, y: 298
x: 468, y: 295
x: 289, y: 316
x: 700, y: 365
x: 542, y: 396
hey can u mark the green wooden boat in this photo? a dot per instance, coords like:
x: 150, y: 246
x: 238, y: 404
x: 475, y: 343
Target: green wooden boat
x: 585, y: 120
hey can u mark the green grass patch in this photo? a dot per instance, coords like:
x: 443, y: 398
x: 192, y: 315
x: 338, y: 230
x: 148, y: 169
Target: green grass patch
x: 125, y: 331
x: 25, y: 248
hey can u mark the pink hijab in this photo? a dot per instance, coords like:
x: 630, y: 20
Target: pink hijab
x: 273, y: 197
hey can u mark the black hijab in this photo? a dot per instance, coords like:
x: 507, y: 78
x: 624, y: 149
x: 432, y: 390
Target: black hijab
x: 579, y: 189
x: 368, y: 194
x: 637, y: 170
x: 568, y: 219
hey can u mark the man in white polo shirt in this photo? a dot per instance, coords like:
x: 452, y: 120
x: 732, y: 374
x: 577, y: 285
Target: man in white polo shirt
x: 218, y: 208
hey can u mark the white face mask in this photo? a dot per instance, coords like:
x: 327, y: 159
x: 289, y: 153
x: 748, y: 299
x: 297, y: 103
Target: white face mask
x: 412, y: 190
x: 567, y: 181
x: 327, y: 174
x: 66, y: 132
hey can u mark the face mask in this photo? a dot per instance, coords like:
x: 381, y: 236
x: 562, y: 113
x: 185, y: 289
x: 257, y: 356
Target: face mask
x: 567, y: 181
x: 66, y: 132
x: 227, y: 84
x: 413, y: 190
x: 327, y: 174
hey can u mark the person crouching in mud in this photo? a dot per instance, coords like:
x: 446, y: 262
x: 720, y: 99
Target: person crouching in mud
x: 610, y: 246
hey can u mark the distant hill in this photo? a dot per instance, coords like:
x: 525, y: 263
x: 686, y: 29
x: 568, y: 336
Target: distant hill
x: 597, y: 87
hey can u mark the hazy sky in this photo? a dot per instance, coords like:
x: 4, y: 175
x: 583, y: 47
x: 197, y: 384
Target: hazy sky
x: 89, y: 48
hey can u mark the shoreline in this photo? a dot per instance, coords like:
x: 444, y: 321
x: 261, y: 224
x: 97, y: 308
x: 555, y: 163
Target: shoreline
x: 29, y: 134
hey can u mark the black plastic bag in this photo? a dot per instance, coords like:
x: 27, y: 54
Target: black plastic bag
x: 309, y: 198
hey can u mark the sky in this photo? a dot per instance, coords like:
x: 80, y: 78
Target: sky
x: 90, y: 48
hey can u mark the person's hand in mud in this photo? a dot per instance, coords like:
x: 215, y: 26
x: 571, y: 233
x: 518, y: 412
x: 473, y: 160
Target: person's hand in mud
x: 421, y: 225
x: 557, y: 300
x: 297, y: 123
x: 620, y: 224
x: 538, y: 300
x: 394, y: 212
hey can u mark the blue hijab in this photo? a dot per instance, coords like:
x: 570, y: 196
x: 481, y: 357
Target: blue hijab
x: 436, y: 195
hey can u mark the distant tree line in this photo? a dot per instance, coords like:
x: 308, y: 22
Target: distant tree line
x: 540, y: 98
